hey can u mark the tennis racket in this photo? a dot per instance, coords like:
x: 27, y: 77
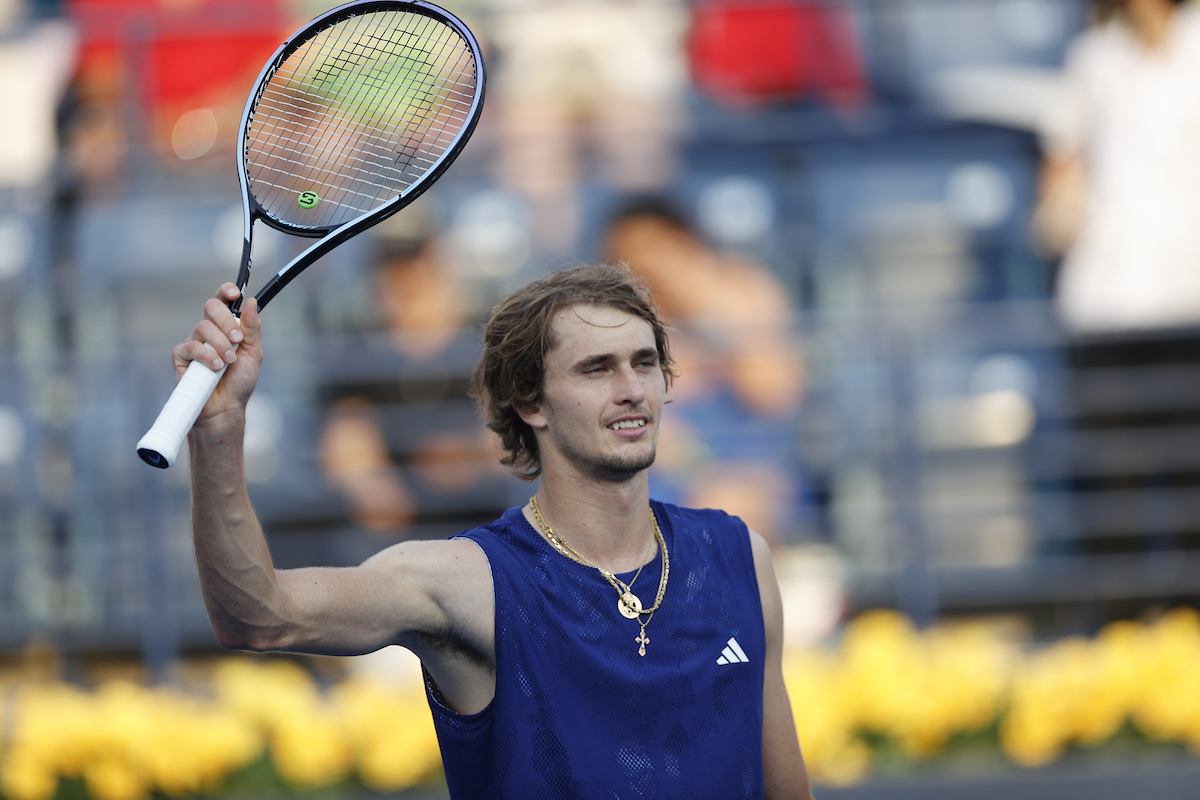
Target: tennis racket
x: 353, y: 118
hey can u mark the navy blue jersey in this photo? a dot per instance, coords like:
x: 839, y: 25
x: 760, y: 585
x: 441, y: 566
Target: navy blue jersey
x: 577, y: 712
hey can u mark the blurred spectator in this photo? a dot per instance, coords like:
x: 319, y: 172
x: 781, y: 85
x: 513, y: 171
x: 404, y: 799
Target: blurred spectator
x: 1121, y: 182
x: 731, y: 440
x: 354, y: 456
x: 576, y: 79
x: 94, y: 135
x: 735, y: 306
x: 423, y: 304
x: 172, y: 76
x: 1121, y: 199
x: 400, y: 439
x: 752, y: 53
x: 35, y: 63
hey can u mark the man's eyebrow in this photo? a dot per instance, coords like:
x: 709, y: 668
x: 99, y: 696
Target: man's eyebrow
x: 601, y: 359
x: 593, y: 361
x: 646, y: 352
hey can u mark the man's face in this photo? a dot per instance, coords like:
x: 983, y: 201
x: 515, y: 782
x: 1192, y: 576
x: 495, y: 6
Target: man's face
x: 603, y: 394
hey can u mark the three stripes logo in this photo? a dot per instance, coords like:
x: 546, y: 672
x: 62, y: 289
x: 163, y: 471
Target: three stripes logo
x: 733, y: 653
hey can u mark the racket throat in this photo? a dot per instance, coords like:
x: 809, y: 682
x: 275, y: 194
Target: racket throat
x: 243, y: 277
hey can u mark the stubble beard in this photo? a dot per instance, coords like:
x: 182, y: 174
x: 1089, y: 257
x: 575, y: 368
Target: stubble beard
x: 612, y: 467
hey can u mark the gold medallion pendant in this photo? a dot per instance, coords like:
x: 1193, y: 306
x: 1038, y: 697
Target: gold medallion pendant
x: 628, y: 603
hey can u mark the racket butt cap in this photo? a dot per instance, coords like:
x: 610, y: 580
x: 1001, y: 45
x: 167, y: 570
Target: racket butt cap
x: 160, y: 446
x: 153, y: 457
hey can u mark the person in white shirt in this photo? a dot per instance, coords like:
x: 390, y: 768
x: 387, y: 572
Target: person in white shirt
x: 1121, y: 181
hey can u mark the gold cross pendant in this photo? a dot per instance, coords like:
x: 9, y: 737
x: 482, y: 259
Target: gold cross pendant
x: 644, y: 640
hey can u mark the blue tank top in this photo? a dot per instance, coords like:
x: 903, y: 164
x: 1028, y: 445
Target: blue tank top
x: 577, y: 712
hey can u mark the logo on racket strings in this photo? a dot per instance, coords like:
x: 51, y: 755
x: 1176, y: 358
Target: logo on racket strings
x: 308, y: 199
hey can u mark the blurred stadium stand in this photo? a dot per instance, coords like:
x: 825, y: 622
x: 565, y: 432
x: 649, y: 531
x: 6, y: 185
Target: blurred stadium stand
x: 955, y: 450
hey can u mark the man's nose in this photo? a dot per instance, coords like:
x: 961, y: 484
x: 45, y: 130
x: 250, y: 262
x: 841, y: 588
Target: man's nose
x: 629, y: 388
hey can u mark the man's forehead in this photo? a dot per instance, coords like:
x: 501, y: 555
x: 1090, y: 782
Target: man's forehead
x: 581, y: 325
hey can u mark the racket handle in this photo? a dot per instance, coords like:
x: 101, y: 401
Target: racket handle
x: 160, y: 446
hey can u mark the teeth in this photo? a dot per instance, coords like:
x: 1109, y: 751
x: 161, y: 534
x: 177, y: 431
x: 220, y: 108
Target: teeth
x: 626, y: 424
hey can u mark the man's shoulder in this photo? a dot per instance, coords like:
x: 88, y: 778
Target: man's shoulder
x: 501, y: 535
x: 703, y: 517
x: 499, y: 526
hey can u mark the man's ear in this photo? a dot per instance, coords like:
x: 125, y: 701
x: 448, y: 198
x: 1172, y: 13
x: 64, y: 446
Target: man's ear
x: 531, y: 414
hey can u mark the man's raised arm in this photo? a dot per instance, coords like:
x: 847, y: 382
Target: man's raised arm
x: 400, y: 596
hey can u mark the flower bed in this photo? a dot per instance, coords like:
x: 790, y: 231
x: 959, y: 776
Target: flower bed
x: 264, y: 723
x: 889, y: 686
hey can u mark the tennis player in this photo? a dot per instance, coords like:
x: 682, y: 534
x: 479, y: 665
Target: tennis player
x: 592, y: 644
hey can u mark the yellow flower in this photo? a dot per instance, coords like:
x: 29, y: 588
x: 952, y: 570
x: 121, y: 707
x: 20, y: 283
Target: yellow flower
x: 196, y: 744
x: 57, y: 724
x: 882, y: 660
x: 261, y: 689
x: 113, y: 778
x: 1169, y: 706
x: 392, y: 733
x: 1030, y: 739
x: 310, y: 749
x: 24, y: 775
x: 921, y: 688
x: 1050, y: 693
x: 825, y: 719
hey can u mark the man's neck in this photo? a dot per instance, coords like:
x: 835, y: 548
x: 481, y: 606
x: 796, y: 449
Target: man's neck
x: 606, y: 522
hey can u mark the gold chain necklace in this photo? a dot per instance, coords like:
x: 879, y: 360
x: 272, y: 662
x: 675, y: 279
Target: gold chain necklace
x: 628, y: 603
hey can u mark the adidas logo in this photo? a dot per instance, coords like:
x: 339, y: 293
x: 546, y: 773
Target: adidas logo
x: 733, y: 654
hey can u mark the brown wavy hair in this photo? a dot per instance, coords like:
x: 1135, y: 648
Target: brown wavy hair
x: 516, y: 338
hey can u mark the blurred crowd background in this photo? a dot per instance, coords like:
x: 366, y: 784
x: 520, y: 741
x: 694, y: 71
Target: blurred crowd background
x: 931, y: 265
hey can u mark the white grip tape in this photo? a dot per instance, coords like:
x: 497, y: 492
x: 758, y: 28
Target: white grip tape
x: 160, y: 446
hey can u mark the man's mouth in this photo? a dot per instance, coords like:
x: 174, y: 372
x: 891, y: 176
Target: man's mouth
x: 628, y: 424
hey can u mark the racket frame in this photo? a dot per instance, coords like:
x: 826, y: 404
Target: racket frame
x: 160, y: 446
x: 331, y: 237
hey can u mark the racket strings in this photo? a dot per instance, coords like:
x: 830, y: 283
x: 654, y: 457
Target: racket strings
x: 358, y: 113
x: 426, y: 100
x: 365, y: 90
x: 416, y: 101
x: 421, y: 96
x: 326, y: 70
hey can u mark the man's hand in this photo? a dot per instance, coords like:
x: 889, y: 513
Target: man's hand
x: 238, y: 346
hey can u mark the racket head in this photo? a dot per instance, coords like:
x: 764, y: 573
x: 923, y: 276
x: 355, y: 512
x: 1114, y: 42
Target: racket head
x: 356, y: 114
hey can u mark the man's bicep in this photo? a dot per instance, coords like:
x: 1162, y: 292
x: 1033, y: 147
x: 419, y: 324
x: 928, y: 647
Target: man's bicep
x: 408, y: 589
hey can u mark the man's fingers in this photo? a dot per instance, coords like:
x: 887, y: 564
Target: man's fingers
x: 207, y: 354
x: 218, y: 337
x: 218, y: 311
x: 213, y: 335
x: 196, y: 350
x: 251, y: 324
x: 228, y: 292
x: 227, y: 331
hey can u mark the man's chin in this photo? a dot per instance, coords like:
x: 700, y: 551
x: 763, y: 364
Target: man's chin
x: 622, y: 468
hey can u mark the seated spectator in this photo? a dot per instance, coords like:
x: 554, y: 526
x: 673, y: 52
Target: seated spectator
x: 734, y: 306
x: 732, y: 439
x: 400, y: 440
